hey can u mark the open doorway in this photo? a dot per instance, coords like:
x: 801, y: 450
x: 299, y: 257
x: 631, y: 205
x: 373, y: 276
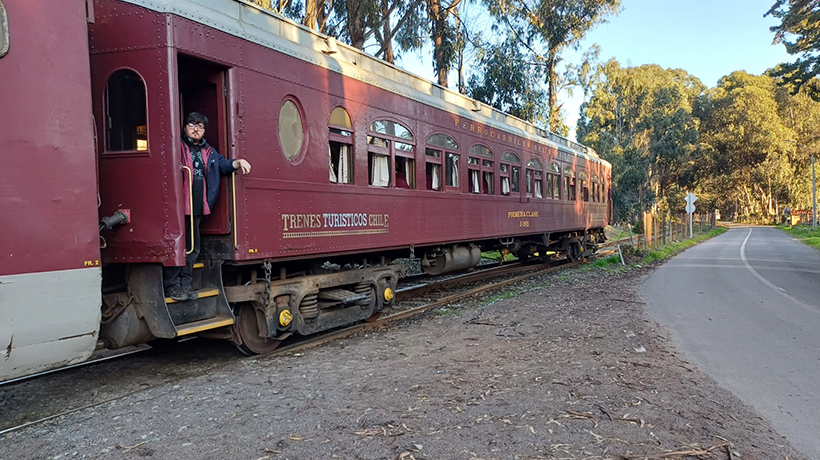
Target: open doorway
x: 203, y: 88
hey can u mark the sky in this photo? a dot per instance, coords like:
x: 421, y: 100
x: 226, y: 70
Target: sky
x: 707, y: 38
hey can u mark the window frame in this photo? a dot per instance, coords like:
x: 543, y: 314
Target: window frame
x: 300, y: 155
x: 482, y: 157
x: 512, y: 167
x: 534, y: 170
x: 444, y: 153
x: 342, y: 139
x: 390, y: 151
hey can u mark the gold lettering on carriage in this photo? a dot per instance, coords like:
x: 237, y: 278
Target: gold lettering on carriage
x: 520, y: 214
x: 487, y: 131
x: 333, y: 224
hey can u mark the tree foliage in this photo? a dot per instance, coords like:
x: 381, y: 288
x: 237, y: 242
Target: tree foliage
x: 744, y: 163
x: 552, y: 26
x: 640, y: 119
x: 506, y: 79
x: 799, y: 31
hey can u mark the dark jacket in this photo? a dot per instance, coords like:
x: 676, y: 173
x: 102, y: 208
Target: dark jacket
x: 215, y: 164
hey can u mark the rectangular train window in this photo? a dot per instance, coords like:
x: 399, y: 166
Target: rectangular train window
x: 565, y: 189
x: 515, y: 179
x: 4, y: 30
x: 505, y: 179
x: 532, y: 176
x: 474, y: 173
x: 379, y: 169
x: 452, y: 169
x: 405, y: 172
x: 340, y: 149
x: 341, y: 163
x: 510, y: 174
x: 433, y: 169
x: 487, y: 170
x: 583, y: 186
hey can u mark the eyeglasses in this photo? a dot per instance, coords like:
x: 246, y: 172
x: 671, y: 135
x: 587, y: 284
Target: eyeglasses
x: 198, y: 126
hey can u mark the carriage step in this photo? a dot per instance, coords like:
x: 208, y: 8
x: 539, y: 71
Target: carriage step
x: 203, y: 325
x: 201, y: 292
x: 199, y: 265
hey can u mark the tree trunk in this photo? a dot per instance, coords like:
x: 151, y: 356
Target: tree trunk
x: 311, y: 18
x: 355, y: 23
x: 552, y: 90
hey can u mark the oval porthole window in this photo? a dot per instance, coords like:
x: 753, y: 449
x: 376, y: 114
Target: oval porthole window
x: 291, y: 133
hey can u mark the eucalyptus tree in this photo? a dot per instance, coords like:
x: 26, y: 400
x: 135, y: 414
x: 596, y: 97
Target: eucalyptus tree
x: 640, y: 119
x: 506, y: 78
x: 799, y: 31
x: 745, y: 144
x: 552, y: 26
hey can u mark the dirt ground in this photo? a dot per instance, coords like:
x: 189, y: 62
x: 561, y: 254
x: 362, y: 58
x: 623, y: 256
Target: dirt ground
x: 567, y: 366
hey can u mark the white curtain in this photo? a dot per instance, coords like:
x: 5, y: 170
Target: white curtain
x: 488, y: 181
x: 475, y: 181
x: 344, y: 164
x: 330, y: 165
x: 381, y: 171
x: 408, y: 173
x: 505, y: 185
x: 538, y: 189
x: 436, y: 177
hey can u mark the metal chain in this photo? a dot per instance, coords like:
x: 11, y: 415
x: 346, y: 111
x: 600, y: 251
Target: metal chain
x: 266, y: 294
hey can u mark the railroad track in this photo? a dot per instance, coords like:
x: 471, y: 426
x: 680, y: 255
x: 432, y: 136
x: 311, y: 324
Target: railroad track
x: 411, y: 301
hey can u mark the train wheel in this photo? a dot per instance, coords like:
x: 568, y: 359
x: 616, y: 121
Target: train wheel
x: 248, y: 328
x: 574, y: 252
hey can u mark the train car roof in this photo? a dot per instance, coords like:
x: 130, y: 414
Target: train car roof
x: 251, y: 22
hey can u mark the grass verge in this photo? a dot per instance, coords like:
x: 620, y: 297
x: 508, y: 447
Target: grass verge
x: 670, y: 250
x: 804, y: 234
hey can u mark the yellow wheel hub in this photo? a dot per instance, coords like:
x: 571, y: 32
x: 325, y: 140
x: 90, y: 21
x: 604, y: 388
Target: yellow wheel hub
x: 285, y: 317
x: 388, y: 294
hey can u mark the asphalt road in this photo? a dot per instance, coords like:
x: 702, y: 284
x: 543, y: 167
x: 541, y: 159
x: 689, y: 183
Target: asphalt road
x: 745, y: 307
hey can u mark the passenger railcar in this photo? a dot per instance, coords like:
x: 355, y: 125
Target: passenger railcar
x: 355, y: 163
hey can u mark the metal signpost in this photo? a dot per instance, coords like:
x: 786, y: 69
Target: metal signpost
x: 690, y: 208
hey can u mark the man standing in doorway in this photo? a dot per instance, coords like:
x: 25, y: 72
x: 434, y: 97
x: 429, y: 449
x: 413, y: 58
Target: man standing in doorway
x: 206, y: 165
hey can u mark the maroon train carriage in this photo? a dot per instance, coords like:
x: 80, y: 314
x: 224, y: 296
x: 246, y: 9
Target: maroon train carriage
x: 355, y: 163
x: 50, y: 270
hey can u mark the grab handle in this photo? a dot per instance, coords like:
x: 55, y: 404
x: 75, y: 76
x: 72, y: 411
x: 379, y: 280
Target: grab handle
x: 191, y: 204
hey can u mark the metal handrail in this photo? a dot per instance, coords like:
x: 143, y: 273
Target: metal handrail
x: 191, y: 202
x: 233, y: 195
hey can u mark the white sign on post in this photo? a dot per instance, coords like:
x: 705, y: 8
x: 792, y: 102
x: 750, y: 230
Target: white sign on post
x: 690, y: 208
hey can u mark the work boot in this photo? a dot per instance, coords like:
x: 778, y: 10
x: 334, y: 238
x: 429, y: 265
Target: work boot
x: 190, y: 292
x: 176, y: 292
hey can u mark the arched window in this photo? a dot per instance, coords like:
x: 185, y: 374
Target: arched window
x: 390, y: 141
x: 510, y: 173
x: 442, y: 146
x: 126, y: 113
x: 480, y: 170
x: 340, y: 148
